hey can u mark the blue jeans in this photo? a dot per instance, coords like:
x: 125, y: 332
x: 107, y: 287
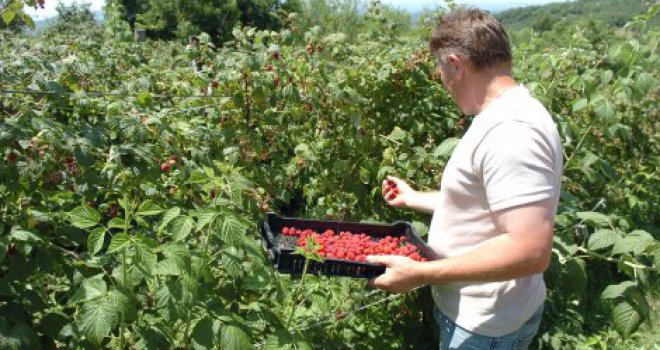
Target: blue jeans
x: 452, y: 336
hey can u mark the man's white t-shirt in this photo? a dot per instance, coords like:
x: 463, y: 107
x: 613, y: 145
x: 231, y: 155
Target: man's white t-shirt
x: 511, y: 155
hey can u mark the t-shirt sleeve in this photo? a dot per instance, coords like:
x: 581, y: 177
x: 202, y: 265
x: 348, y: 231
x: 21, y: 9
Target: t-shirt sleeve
x: 516, y: 164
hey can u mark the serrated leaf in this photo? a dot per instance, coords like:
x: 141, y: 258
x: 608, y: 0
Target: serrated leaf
x: 144, y: 259
x: 28, y: 21
x: 234, y: 338
x: 625, y: 318
x: 386, y: 170
x: 84, y: 217
x: 617, y: 290
x: 181, y: 227
x: 635, y: 242
x: 606, y: 76
x: 125, y: 204
x: 117, y: 223
x: 232, y: 229
x: 604, y: 109
x: 580, y: 104
x: 124, y: 304
x: 168, y: 267
x: 170, y: 215
x: 601, y: 239
x: 397, y: 134
x: 90, y: 288
x: 420, y: 228
x: 95, y: 240
x: 149, y: 208
x: 177, y: 252
x: 204, y: 219
x: 22, y: 235
x: 169, y: 299
x: 598, y: 219
x: 97, y: 319
x: 446, y: 148
x: 203, y: 336
x: 576, y: 276
x: 645, y: 82
x: 8, y: 16
x: 279, y: 341
x: 232, y: 264
x: 119, y: 242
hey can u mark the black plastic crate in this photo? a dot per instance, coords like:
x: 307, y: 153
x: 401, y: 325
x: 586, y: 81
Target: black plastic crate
x: 285, y: 261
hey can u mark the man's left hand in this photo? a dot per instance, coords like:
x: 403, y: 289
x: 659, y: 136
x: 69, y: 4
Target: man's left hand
x: 402, y: 273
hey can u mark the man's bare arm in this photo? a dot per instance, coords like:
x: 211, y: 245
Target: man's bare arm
x: 524, y: 248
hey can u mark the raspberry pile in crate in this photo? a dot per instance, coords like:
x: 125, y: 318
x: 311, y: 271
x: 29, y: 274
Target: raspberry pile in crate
x: 353, y: 246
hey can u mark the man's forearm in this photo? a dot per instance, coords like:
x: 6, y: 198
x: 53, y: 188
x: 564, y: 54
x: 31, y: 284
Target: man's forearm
x: 499, y: 259
x: 423, y: 201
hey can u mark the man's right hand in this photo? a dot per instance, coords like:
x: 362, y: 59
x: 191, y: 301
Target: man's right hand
x: 397, y: 192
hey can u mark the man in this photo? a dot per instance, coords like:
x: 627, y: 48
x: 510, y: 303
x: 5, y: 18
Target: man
x: 493, y: 217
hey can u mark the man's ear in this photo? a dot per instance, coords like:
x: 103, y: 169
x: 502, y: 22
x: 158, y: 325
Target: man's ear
x: 456, y: 63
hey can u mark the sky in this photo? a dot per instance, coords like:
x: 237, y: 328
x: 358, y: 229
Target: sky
x: 491, y: 5
x: 410, y: 5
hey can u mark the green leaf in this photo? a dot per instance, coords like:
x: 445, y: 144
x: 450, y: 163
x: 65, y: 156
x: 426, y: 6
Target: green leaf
x: 53, y: 322
x: 204, y: 219
x: 603, y: 238
x: 232, y: 229
x: 397, y: 134
x: 119, y: 242
x: 124, y: 304
x: 231, y: 262
x: 95, y: 240
x: 617, y: 290
x: 384, y: 171
x: 170, y: 215
x: 8, y: 16
x: 97, y: 319
x: 365, y: 175
x: 125, y: 203
x: 21, y: 336
x: 145, y: 259
x: 90, y: 288
x: 21, y: 235
x: 645, y: 82
x: 598, y: 219
x: 203, y: 335
x: 234, y: 338
x: 280, y: 340
x: 169, y: 267
x: 117, y: 223
x: 84, y: 217
x: 149, y: 208
x: 580, y: 104
x: 4, y: 248
x: 178, y: 252
x: 604, y: 109
x: 576, y: 276
x: 181, y: 227
x: 28, y: 21
x: 625, y: 318
x: 606, y: 77
x: 420, y: 228
x: 446, y: 148
x: 635, y: 242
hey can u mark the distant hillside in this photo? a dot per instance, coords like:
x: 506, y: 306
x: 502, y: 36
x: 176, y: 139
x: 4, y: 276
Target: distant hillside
x: 615, y: 13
